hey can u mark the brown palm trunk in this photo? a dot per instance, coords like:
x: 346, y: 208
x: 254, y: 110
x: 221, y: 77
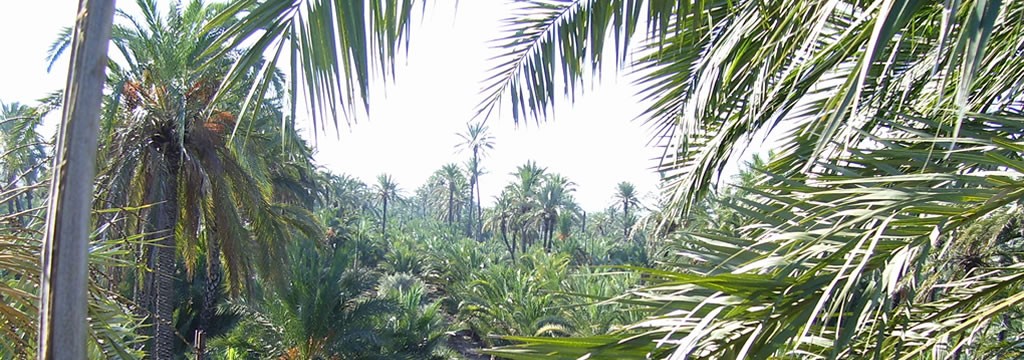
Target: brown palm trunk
x: 479, y: 212
x: 213, y: 279
x: 165, y: 184
x: 451, y: 207
x: 522, y: 238
x: 384, y: 222
x: 583, y: 227
x: 625, y: 221
x: 470, y: 223
x: 511, y: 246
x: 550, y: 234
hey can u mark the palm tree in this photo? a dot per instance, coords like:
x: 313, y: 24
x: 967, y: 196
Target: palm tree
x: 356, y: 26
x: 346, y: 201
x: 500, y: 219
x: 477, y: 140
x: 322, y: 314
x: 899, y: 129
x: 553, y: 200
x: 387, y: 191
x: 168, y: 144
x: 448, y: 185
x: 625, y: 194
x: 529, y: 179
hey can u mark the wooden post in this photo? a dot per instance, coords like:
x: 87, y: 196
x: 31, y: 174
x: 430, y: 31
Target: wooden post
x: 62, y: 309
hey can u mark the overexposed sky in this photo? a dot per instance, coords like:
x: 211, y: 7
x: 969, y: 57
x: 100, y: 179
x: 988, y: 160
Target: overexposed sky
x: 411, y: 128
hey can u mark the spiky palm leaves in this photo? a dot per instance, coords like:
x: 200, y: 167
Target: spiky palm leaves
x: 387, y: 192
x: 516, y: 299
x: 447, y: 187
x: 477, y: 140
x: 166, y: 143
x: 901, y: 125
x: 22, y: 150
x: 875, y: 262
x: 555, y: 203
x: 321, y: 314
x: 625, y: 194
x: 334, y: 47
x: 111, y: 324
x: 416, y: 330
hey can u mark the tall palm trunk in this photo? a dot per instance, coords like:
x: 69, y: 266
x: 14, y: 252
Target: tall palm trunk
x: 213, y: 280
x: 583, y: 227
x: 451, y: 207
x: 62, y: 294
x: 504, y: 238
x: 549, y: 234
x: 470, y: 223
x: 522, y: 238
x: 164, y: 185
x: 384, y: 221
x: 479, y: 212
x: 625, y: 220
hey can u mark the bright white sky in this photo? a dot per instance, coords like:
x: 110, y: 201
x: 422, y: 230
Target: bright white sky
x: 411, y: 129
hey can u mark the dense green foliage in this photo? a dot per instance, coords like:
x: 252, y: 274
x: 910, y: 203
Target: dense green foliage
x: 886, y: 224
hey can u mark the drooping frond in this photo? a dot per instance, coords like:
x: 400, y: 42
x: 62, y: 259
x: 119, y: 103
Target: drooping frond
x: 550, y: 46
x: 334, y: 48
x: 877, y: 253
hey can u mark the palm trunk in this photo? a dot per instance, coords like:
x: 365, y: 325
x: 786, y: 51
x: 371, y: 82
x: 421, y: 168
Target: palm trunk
x: 583, y: 229
x: 522, y: 238
x: 480, y: 213
x: 625, y: 221
x: 511, y: 246
x: 470, y: 223
x: 514, y: 242
x: 62, y: 291
x: 550, y: 235
x: 384, y: 222
x: 213, y: 280
x: 165, y: 180
x: 451, y: 207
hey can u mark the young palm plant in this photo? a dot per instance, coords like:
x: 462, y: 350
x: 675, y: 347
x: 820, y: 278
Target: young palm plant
x: 322, y: 314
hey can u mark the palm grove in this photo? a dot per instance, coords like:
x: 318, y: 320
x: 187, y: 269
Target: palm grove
x: 885, y: 224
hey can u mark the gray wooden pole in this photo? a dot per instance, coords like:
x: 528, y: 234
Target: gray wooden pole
x: 62, y: 309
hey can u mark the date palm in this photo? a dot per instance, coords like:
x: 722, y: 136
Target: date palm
x: 625, y: 194
x: 477, y: 140
x: 62, y: 289
x: 387, y: 192
x: 499, y: 221
x: 529, y: 179
x: 449, y: 185
x: 554, y: 200
x: 167, y: 143
x: 322, y: 314
x: 344, y: 34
